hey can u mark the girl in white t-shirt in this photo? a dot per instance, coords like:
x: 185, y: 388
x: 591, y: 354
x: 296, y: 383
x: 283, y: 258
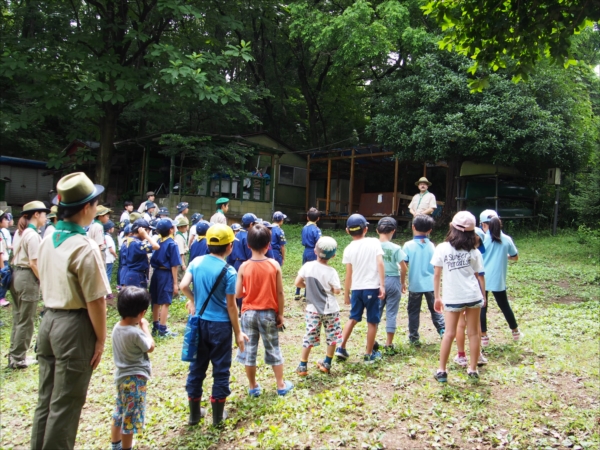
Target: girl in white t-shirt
x: 464, y: 288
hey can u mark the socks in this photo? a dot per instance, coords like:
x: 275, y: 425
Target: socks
x: 156, y: 325
x: 462, y: 354
x: 328, y: 359
x: 116, y: 445
x: 303, y: 363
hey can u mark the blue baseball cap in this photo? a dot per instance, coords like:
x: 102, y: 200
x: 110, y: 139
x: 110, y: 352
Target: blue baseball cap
x: 163, y: 226
x: 266, y: 224
x: 108, y: 225
x: 127, y: 229
x: 182, y: 205
x: 236, y: 227
x: 202, y: 227
x: 196, y: 217
x: 248, y: 219
x: 153, y: 223
x: 139, y: 223
x: 356, y: 222
x: 278, y: 216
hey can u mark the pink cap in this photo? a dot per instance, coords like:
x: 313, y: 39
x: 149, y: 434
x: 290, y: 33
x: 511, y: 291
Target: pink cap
x: 463, y: 221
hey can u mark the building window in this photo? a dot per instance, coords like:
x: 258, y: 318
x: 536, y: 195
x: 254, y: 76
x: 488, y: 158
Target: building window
x: 294, y: 176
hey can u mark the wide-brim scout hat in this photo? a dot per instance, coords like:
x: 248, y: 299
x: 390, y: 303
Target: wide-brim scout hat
x: 196, y: 217
x: 183, y: 205
x: 150, y: 205
x: 102, y: 211
x: 35, y: 206
x: 76, y: 189
x: 182, y: 222
x: 163, y: 211
x: 220, y: 234
x: 53, y: 212
x: 423, y: 180
x: 134, y: 216
x: 222, y: 201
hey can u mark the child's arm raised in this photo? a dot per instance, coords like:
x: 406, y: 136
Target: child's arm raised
x: 146, y: 330
x: 145, y: 236
x: 381, y: 270
x: 232, y: 311
x: 347, y: 284
x: 185, y: 288
x: 438, y: 306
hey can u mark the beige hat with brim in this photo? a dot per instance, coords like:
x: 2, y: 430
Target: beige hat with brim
x: 182, y: 222
x: 134, y: 216
x: 35, y: 206
x: 102, y: 211
x: 423, y: 180
x: 76, y: 189
x: 53, y: 212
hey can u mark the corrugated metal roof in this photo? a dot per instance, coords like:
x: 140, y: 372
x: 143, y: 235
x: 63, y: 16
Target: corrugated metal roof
x: 20, y: 162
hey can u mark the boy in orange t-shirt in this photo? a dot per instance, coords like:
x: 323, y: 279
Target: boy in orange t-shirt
x: 260, y: 283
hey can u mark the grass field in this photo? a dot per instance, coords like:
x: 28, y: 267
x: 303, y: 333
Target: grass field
x: 543, y: 392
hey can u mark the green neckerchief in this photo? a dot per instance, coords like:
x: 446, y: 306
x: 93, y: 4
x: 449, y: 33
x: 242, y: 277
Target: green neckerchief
x: 219, y: 210
x: 421, y: 198
x: 65, y: 230
x: 33, y: 227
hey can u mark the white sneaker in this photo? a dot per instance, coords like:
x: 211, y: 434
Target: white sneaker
x: 461, y: 361
x: 485, y: 340
x: 517, y: 335
x: 482, y: 360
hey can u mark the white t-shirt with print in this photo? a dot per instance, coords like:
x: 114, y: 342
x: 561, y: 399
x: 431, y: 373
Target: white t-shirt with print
x: 362, y: 254
x: 458, y: 275
x: 320, y: 281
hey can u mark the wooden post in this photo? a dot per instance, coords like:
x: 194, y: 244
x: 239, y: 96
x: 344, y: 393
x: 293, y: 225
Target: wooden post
x: 351, y: 196
x: 395, y: 198
x: 425, y: 169
x: 328, y: 196
x: 307, y: 181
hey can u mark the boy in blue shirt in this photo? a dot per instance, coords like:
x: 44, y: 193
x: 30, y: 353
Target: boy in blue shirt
x: 419, y: 252
x: 278, y: 237
x: 199, y: 246
x: 310, y: 235
x: 163, y: 286
x: 241, y: 252
x: 140, y: 245
x: 123, y: 256
x: 220, y: 318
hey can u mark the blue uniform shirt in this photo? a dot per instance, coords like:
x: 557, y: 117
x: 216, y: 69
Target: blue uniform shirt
x: 123, y: 254
x: 137, y: 255
x: 310, y: 235
x: 420, y: 269
x: 277, y: 238
x: 198, y: 248
x: 205, y: 271
x: 495, y: 261
x: 241, y: 252
x: 167, y: 255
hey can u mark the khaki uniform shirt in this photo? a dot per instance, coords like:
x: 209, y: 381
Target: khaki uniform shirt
x: 28, y: 249
x: 49, y: 230
x: 428, y: 201
x: 96, y: 233
x: 72, y: 274
x: 182, y: 243
x: 218, y: 217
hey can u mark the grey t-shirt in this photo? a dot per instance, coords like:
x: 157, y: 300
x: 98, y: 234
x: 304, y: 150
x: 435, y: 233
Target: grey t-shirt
x: 130, y: 351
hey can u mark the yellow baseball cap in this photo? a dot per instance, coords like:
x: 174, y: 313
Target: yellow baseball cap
x: 220, y: 234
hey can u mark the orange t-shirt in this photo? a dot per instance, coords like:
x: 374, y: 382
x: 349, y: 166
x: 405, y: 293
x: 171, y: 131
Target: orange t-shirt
x: 260, y: 285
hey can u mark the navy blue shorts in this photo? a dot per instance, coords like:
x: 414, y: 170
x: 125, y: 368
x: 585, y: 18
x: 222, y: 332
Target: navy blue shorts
x: 161, y: 287
x: 132, y: 278
x: 277, y: 257
x: 308, y: 255
x: 365, y: 298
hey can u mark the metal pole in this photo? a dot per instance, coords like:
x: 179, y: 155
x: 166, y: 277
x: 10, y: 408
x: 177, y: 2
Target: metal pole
x: 556, y: 210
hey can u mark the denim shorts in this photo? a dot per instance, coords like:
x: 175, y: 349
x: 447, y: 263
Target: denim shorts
x: 131, y: 404
x: 365, y: 298
x: 459, y: 307
x: 260, y: 324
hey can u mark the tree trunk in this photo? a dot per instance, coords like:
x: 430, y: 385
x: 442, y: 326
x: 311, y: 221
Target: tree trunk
x: 451, y: 183
x: 108, y: 127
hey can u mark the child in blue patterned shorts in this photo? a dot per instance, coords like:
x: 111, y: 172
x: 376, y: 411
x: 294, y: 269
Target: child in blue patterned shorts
x: 131, y: 341
x: 321, y: 283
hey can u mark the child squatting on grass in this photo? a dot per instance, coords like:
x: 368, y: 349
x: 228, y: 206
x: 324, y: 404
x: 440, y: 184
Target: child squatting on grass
x: 322, y: 283
x: 260, y: 285
x: 464, y: 288
x: 131, y: 341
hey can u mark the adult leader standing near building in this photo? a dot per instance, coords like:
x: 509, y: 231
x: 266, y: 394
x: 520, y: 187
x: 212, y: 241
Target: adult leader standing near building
x: 222, y: 208
x: 424, y: 201
x: 73, y: 331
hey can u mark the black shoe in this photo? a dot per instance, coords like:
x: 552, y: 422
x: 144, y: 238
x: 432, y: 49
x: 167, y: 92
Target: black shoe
x: 196, y: 412
x: 218, y: 412
x: 473, y: 376
x: 375, y: 346
x: 442, y: 377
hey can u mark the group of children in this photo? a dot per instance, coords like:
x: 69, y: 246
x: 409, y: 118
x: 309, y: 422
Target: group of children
x: 234, y: 278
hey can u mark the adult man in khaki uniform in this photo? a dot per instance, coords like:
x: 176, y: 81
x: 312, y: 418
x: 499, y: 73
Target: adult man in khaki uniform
x: 424, y: 201
x: 142, y: 208
x: 73, y: 331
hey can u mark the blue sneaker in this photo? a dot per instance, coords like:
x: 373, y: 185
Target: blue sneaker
x: 442, y: 377
x: 255, y: 392
x: 442, y: 331
x: 288, y: 387
x: 341, y: 353
x: 374, y: 356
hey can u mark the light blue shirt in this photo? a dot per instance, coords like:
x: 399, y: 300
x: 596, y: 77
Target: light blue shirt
x: 420, y: 269
x: 205, y: 270
x: 495, y: 261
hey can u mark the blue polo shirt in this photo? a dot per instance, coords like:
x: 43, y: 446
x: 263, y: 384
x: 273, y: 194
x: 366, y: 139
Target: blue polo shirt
x: 167, y: 255
x: 420, y: 269
x: 198, y: 248
x: 137, y: 255
x: 310, y: 235
x: 495, y: 261
x: 240, y: 251
x: 277, y: 238
x: 205, y: 270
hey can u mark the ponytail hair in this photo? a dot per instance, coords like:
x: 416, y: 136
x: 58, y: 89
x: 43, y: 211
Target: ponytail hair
x: 495, y: 229
x: 23, y: 222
